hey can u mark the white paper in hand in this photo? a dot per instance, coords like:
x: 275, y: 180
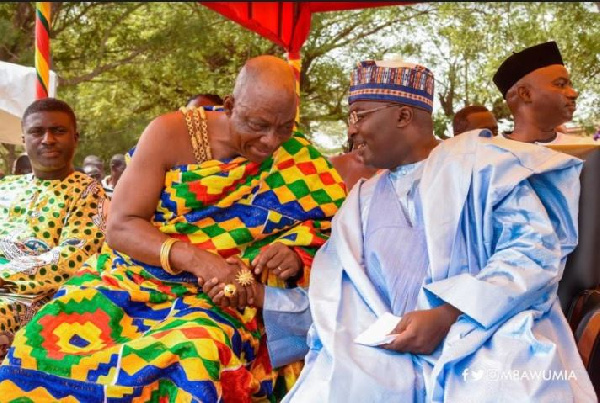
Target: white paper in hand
x: 379, y: 332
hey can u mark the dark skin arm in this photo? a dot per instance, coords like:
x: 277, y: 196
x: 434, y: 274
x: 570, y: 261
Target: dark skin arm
x: 163, y: 144
x: 421, y: 332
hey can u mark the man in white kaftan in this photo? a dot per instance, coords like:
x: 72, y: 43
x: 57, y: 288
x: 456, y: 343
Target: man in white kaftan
x: 465, y: 241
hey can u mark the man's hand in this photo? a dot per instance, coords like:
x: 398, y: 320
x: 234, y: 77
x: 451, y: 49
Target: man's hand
x: 214, y: 287
x: 280, y: 259
x: 217, y: 294
x: 421, y: 332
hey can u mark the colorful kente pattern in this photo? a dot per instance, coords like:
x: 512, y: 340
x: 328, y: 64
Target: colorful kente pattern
x: 48, y: 228
x: 123, y: 331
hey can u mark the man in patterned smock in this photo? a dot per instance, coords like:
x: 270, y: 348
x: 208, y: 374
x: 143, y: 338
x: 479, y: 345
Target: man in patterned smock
x: 50, y: 220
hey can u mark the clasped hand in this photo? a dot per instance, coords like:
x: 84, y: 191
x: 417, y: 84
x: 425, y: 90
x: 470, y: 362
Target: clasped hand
x: 215, y: 287
x: 277, y: 257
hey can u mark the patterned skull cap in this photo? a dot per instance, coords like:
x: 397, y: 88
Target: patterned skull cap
x: 392, y: 81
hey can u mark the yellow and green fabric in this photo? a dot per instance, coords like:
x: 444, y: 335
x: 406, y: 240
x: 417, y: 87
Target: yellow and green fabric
x: 124, y: 331
x: 48, y: 228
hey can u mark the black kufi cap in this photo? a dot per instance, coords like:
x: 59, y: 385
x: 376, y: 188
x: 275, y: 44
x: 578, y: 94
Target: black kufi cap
x: 518, y: 65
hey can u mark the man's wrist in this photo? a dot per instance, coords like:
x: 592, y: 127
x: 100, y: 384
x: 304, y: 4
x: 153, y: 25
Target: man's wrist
x: 300, y: 262
x: 178, y: 256
x: 182, y: 258
x: 259, y: 295
x: 450, y: 312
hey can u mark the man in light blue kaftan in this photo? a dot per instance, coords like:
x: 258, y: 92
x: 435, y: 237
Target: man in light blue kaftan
x: 465, y: 240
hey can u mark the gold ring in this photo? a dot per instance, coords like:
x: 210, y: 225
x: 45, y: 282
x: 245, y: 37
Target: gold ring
x: 245, y: 277
x: 229, y: 290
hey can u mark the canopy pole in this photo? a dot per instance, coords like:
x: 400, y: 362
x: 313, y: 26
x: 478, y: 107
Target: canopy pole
x: 295, y: 61
x: 42, y: 48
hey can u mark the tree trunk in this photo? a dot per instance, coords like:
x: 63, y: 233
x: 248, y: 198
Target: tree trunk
x: 447, y: 98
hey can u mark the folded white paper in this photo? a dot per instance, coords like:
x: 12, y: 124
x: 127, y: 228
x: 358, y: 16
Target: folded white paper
x: 379, y: 332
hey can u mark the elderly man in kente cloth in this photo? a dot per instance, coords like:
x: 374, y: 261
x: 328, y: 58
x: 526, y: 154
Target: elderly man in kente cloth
x: 465, y: 241
x: 208, y: 195
x: 51, y: 221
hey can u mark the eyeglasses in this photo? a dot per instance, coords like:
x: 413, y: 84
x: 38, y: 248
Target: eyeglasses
x: 355, y: 116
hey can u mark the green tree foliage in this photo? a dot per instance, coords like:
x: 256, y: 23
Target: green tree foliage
x: 465, y: 43
x: 126, y: 63
x: 336, y: 42
x: 121, y: 64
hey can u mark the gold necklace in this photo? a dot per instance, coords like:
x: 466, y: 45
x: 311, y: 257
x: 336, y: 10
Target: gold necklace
x: 197, y: 127
x: 204, y: 126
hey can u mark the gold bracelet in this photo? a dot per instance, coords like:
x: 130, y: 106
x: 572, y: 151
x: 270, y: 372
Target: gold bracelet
x: 165, y: 251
